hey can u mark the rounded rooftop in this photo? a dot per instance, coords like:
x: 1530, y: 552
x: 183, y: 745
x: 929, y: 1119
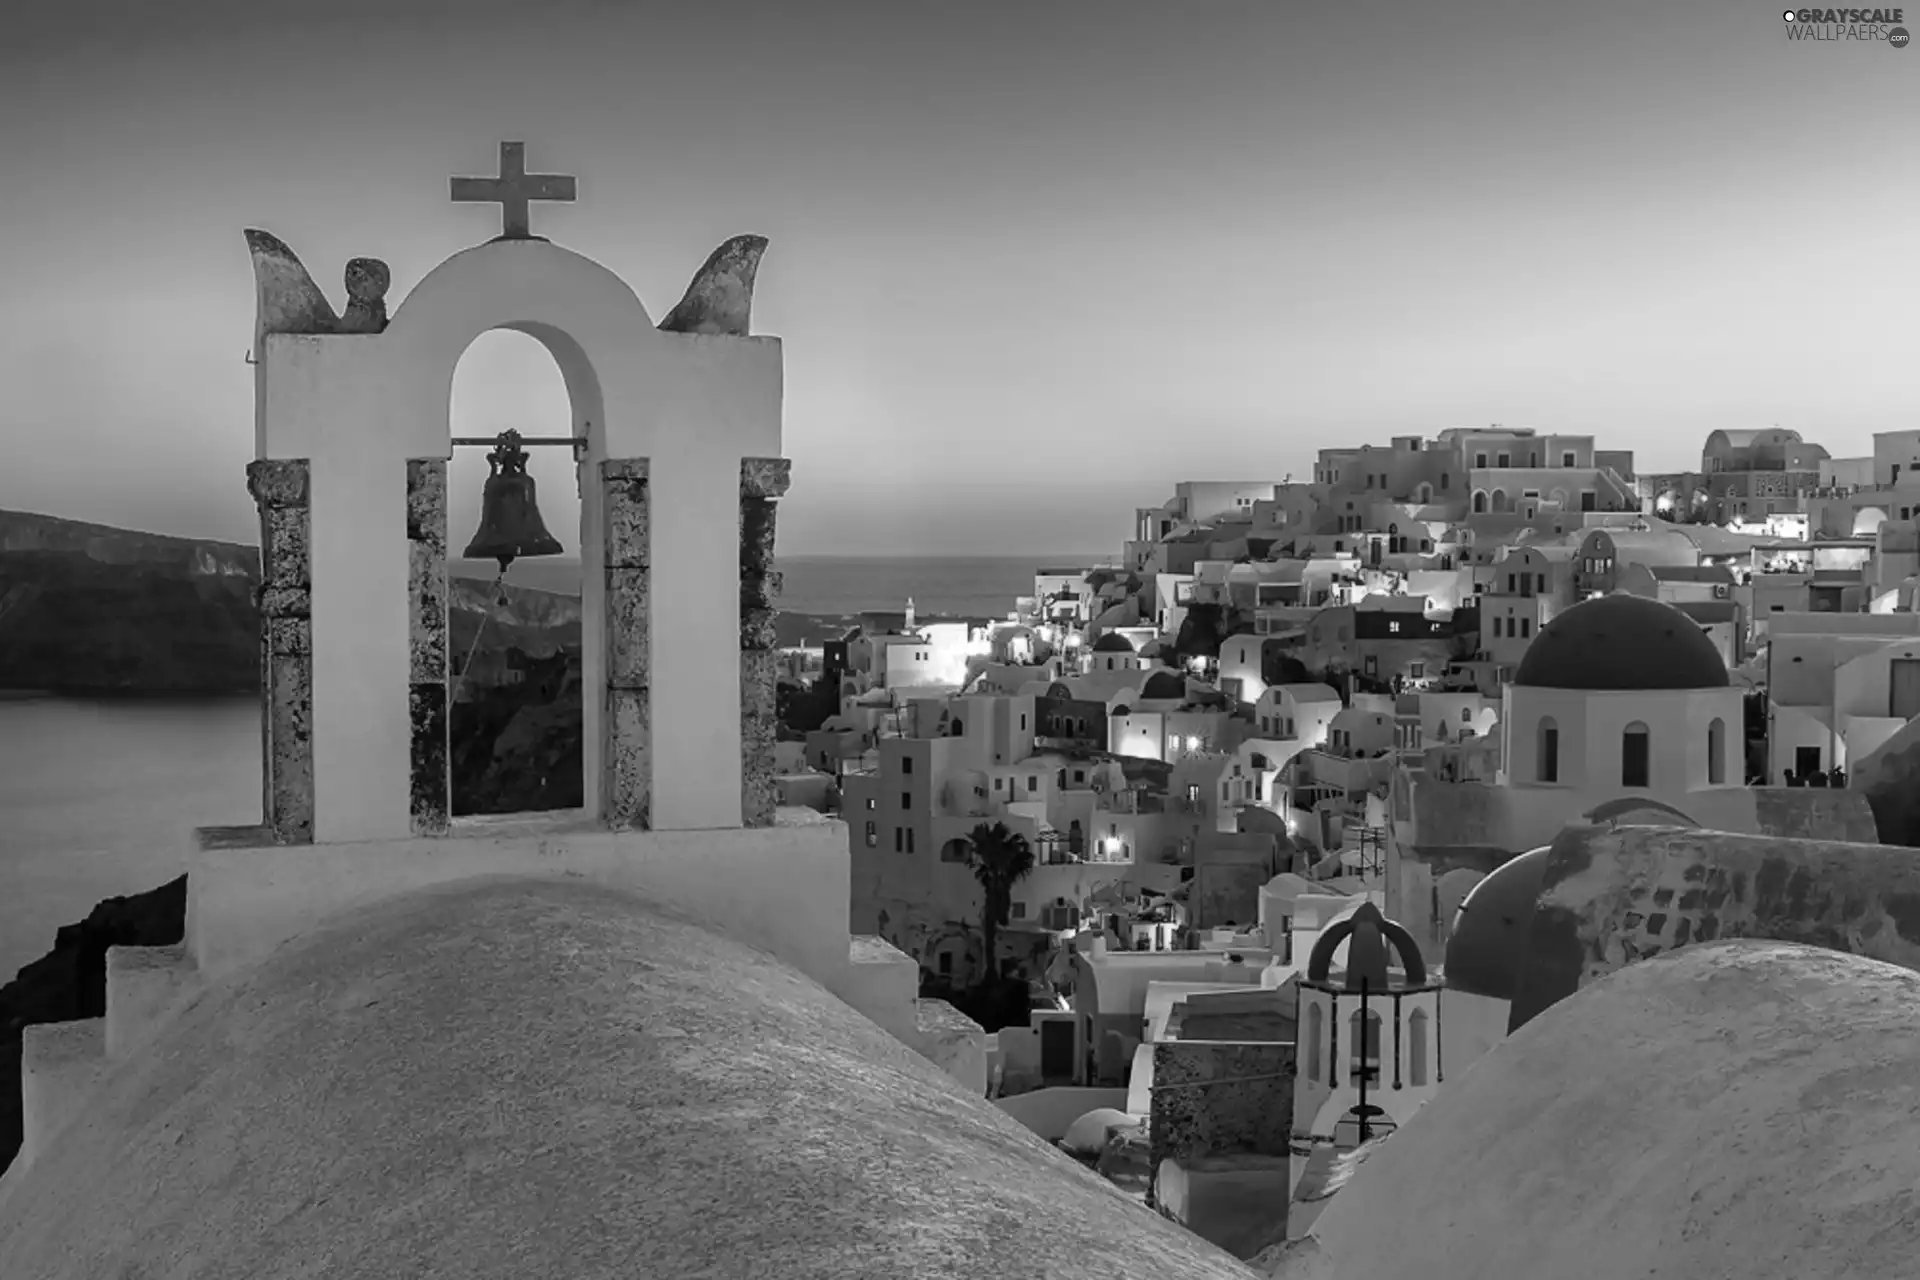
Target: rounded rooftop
x: 1488, y: 943
x: 1622, y: 642
x: 549, y: 1077
x: 1368, y: 936
x: 1738, y: 1108
x: 1112, y: 642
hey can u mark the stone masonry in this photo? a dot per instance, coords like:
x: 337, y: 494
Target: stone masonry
x: 427, y: 692
x: 626, y: 788
x: 763, y: 481
x: 280, y: 487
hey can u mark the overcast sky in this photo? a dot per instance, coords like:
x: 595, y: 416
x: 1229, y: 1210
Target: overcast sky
x: 1032, y: 262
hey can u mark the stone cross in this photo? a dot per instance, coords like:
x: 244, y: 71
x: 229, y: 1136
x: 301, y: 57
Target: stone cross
x: 513, y: 189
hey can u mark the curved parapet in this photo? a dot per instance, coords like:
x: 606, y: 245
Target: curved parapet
x: 1738, y: 1109
x: 720, y: 299
x: 1612, y: 896
x: 499, y: 1058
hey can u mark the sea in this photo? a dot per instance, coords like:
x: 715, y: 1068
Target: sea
x: 99, y: 798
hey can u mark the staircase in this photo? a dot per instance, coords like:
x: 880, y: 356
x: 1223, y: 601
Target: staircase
x: 62, y: 1063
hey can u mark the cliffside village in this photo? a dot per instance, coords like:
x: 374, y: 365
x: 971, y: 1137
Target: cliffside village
x: 1296, y: 709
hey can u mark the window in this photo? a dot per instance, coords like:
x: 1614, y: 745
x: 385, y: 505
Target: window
x: 1364, y: 1045
x: 1566, y: 460
x: 906, y: 764
x: 1717, y: 752
x: 899, y: 839
x: 1019, y: 911
x: 946, y: 964
x: 1417, y: 1048
x: 909, y: 839
x: 1315, y: 1033
x: 1480, y: 460
x: 1393, y: 628
x: 1479, y: 502
x: 1636, y: 756
x: 1526, y: 627
x: 872, y: 803
x: 906, y: 799
x: 1506, y: 459
x: 1033, y: 784
x: 1416, y: 670
x: 1466, y: 716
x: 1547, y: 758
x: 873, y: 834
x: 1443, y: 479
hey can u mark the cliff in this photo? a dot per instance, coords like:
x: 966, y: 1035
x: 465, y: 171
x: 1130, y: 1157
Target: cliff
x: 70, y: 981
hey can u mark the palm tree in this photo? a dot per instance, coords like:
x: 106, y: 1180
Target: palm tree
x: 1000, y: 858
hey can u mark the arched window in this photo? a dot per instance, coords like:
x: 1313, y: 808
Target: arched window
x: 1479, y: 501
x: 1636, y: 756
x: 1363, y: 1046
x: 1547, y: 753
x: 1717, y: 752
x: 1500, y: 502
x: 1316, y: 1029
x: 1417, y: 1048
x: 956, y: 728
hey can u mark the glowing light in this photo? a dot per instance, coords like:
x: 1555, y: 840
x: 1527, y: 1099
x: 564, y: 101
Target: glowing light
x: 1112, y: 844
x: 1193, y: 743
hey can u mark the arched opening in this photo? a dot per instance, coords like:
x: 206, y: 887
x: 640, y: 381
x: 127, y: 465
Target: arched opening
x: 1547, y: 753
x: 1479, y: 501
x: 1417, y: 1048
x: 1316, y: 1035
x: 1636, y: 756
x: 1717, y: 752
x: 515, y: 722
x: 1499, y: 500
x: 956, y: 728
x: 959, y: 849
x: 1363, y: 1046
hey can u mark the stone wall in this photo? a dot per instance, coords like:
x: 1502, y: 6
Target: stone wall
x: 626, y: 756
x: 1216, y: 1097
x: 427, y: 639
x: 763, y: 481
x: 282, y: 490
x: 1612, y: 896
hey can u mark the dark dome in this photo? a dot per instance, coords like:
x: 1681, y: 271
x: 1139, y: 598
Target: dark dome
x: 1112, y: 642
x: 1622, y: 642
x: 1489, y: 939
x: 1367, y: 934
x: 1164, y: 684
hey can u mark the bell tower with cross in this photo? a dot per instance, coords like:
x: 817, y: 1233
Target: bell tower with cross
x: 677, y: 432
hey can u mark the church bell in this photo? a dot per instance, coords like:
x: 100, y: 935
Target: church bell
x: 510, y: 523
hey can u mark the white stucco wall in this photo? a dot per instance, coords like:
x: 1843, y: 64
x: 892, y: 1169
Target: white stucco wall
x: 358, y: 406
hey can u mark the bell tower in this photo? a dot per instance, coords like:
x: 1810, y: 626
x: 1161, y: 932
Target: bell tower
x: 677, y: 431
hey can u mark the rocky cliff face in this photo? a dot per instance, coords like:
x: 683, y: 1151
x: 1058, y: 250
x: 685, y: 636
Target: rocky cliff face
x: 70, y: 982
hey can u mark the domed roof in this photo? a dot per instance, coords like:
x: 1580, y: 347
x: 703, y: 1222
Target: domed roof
x: 1112, y: 642
x: 1489, y: 940
x: 552, y: 1077
x: 1164, y: 684
x: 1619, y: 642
x: 1367, y: 934
x: 1724, y: 1109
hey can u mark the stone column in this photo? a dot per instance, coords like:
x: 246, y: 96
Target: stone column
x: 427, y: 693
x: 280, y: 487
x: 763, y: 481
x: 626, y: 754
